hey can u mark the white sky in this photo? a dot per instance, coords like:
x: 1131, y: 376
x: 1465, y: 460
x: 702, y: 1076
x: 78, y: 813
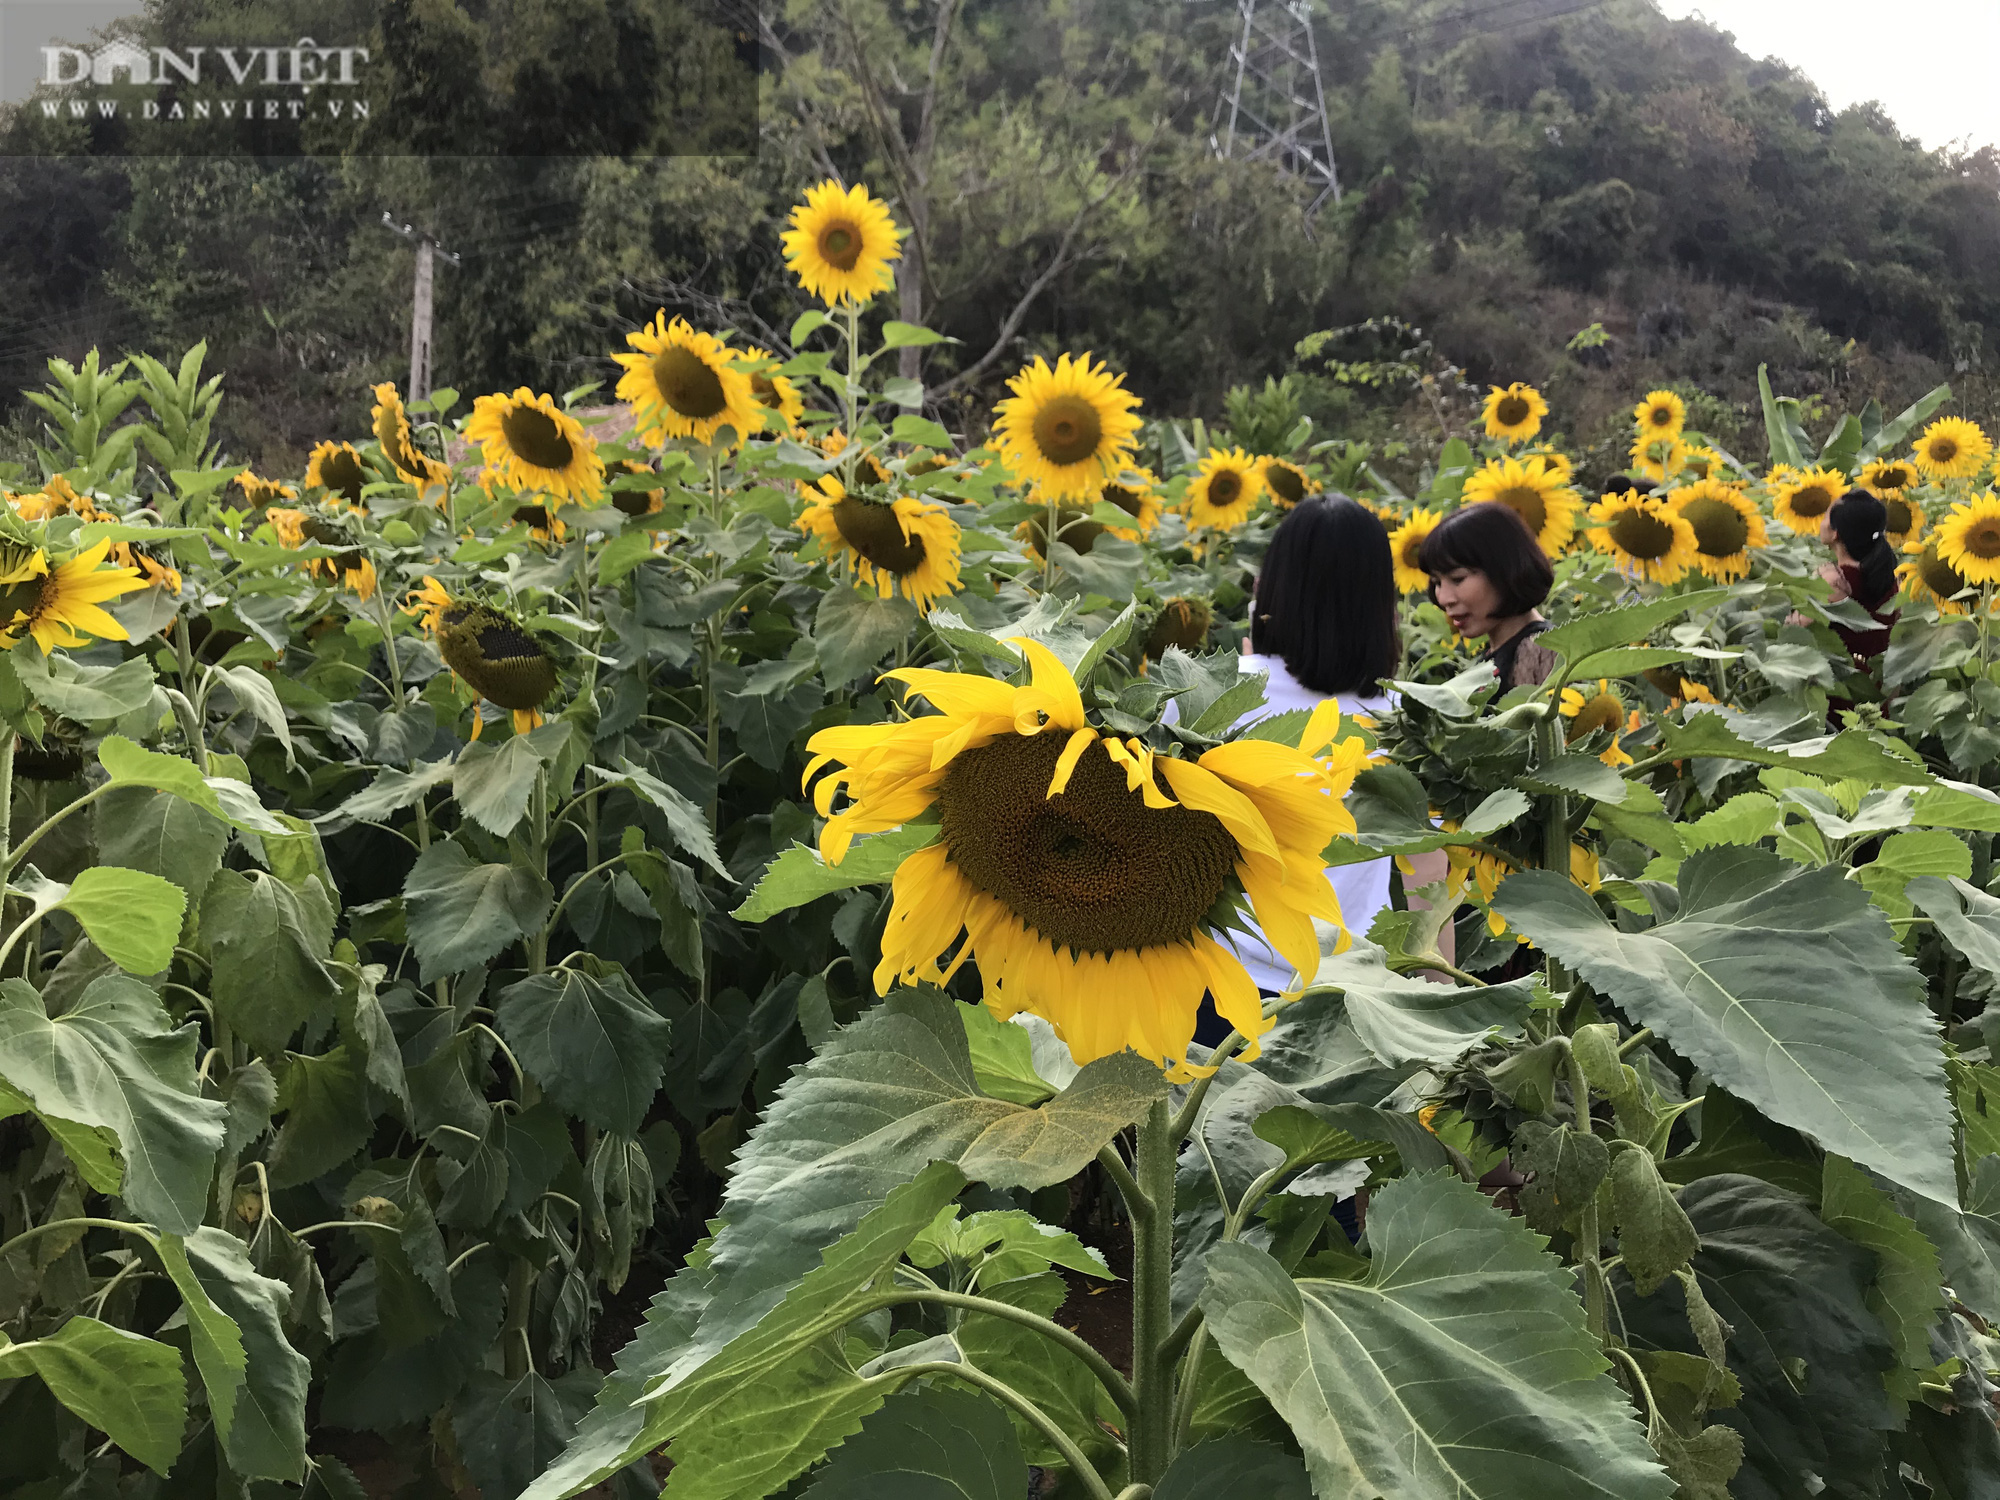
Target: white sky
x: 1929, y: 62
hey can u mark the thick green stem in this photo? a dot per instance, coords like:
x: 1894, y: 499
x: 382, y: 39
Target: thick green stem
x: 1152, y: 1436
x: 1555, y: 833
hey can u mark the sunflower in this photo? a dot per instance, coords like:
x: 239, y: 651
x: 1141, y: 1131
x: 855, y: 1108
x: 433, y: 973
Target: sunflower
x: 782, y: 403
x: 1646, y: 538
x: 1081, y: 874
x: 1693, y: 692
x: 1180, y: 622
x: 530, y: 443
x: 1067, y: 430
x: 542, y: 523
x: 431, y: 604
x: 1226, y: 488
x: 1928, y: 576
x: 634, y: 502
x: 262, y: 492
x: 1803, y: 500
x: 1883, y: 477
x: 1288, y: 484
x: 1514, y: 413
x: 1903, y: 517
x: 338, y: 469
x: 288, y: 525
x: 1556, y: 463
x: 1952, y: 448
x: 684, y: 384
x: 1406, y: 545
x: 1527, y: 487
x: 1661, y: 415
x: 1969, y: 539
x: 61, y: 607
x: 909, y: 547
x: 1658, y: 458
x: 1136, y: 492
x: 1704, y: 463
x: 497, y: 658
x: 55, y: 498
x: 1601, y: 710
x: 841, y: 244
x: 1727, y: 527
x: 350, y: 568
x: 392, y: 430
x: 869, y: 468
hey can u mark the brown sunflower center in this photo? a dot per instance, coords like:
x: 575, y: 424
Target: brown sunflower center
x: 1900, y: 517
x: 535, y: 436
x: 1528, y: 503
x: 342, y: 473
x: 1943, y: 450
x: 535, y: 517
x: 840, y: 244
x: 1896, y: 477
x: 687, y: 383
x: 1093, y: 869
x: 762, y: 388
x: 1811, y: 500
x: 1289, y: 485
x: 1719, y: 527
x: 1067, y: 429
x: 1512, y: 411
x: 874, y: 532
x: 1413, y: 547
x: 498, y: 658
x: 1660, y: 416
x: 1939, y: 576
x: 1641, y: 534
x: 30, y: 598
x: 1982, y: 539
x: 1225, y: 488
x: 1601, y: 712
x: 1129, y: 501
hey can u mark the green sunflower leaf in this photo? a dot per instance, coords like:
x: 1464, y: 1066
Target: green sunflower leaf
x: 1908, y: 1293
x: 128, y: 1387
x: 1601, y: 630
x: 1459, y: 1365
x: 87, y: 694
x: 933, y: 1443
x: 1786, y: 987
x: 592, y: 1040
x: 133, y: 917
x: 224, y: 797
x: 799, y: 874
x: 1225, y: 1468
x: 268, y: 943
x: 1850, y: 753
x: 853, y: 631
x: 138, y: 828
x: 459, y: 913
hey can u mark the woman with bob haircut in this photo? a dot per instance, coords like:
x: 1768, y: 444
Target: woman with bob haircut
x: 1490, y: 576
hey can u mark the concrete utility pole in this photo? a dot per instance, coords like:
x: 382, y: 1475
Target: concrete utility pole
x: 428, y: 253
x: 1273, y: 106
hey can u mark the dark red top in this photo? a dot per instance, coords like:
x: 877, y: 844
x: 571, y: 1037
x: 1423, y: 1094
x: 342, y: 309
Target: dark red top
x: 1864, y: 645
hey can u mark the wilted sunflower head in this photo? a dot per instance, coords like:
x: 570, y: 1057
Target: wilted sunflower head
x: 497, y: 657
x: 1181, y: 622
x: 260, y: 493
x: 1603, y: 709
x: 339, y: 469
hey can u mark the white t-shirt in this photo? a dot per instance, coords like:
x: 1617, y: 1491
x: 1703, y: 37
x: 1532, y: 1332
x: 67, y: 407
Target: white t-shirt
x: 1364, y: 888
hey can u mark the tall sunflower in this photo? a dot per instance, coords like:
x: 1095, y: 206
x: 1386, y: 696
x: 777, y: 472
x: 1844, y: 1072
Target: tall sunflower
x: 1661, y: 415
x: 392, y: 430
x: 1287, y: 483
x: 1883, y: 477
x: 1927, y: 576
x: 1406, y: 545
x: 1969, y: 539
x: 1802, y: 502
x: 61, y: 607
x: 1728, y: 527
x: 530, y: 443
x: 1952, y: 448
x: 783, y: 405
x: 1646, y: 538
x: 908, y: 547
x: 1513, y: 413
x: 1083, y: 875
x: 1529, y: 488
x: 1226, y: 488
x: 339, y: 469
x: 842, y: 243
x: 1069, y: 429
x: 496, y: 657
x: 684, y: 384
x: 1590, y: 713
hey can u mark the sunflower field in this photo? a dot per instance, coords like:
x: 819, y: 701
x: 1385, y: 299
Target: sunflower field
x: 650, y: 942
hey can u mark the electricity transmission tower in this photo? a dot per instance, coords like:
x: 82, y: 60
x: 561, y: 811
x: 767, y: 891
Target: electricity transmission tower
x: 1273, y: 107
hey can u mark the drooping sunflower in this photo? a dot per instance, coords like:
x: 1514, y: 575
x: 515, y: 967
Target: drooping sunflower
x: 1728, y: 527
x: 1883, y: 477
x: 262, y: 492
x: 1227, y: 486
x: 908, y: 547
x: 1067, y: 430
x: 431, y: 604
x: 1952, y: 448
x: 543, y: 524
x: 55, y: 498
x: 1181, y: 622
x: 684, y: 384
x: 1287, y: 483
x: 1927, y: 576
x: 1531, y: 490
x: 868, y: 468
x: 1589, y: 713
x: 1903, y: 517
x: 392, y: 430
x: 530, y: 443
x: 496, y: 657
x: 1137, y: 493
x: 61, y: 606
x: 350, y: 568
x: 1513, y: 413
x: 1406, y: 544
x: 339, y: 469
x: 1969, y: 539
x: 633, y: 502
x: 842, y: 244
x: 1802, y: 501
x: 1657, y: 458
x: 1661, y: 415
x: 782, y: 403
x: 1083, y: 874
x: 1645, y: 538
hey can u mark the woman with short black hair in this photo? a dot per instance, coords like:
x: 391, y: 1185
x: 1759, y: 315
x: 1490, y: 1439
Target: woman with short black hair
x: 1863, y: 569
x: 1490, y: 577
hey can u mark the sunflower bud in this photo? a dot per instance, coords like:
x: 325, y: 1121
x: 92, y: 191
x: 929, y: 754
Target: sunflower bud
x: 496, y: 656
x: 59, y: 757
x: 1180, y: 622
